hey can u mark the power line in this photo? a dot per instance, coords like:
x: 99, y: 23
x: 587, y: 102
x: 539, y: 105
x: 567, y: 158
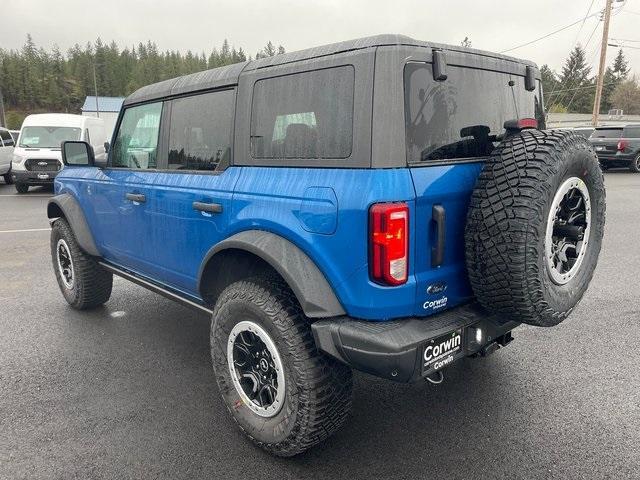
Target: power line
x: 624, y: 40
x: 622, y: 46
x: 585, y: 87
x: 550, y: 34
x: 583, y: 21
x: 555, y: 90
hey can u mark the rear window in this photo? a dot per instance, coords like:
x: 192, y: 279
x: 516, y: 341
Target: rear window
x: 607, y: 133
x: 458, y: 118
x: 632, y: 132
x: 7, y: 139
x: 303, y: 115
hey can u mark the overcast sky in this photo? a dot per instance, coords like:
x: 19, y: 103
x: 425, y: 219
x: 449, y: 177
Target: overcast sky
x: 296, y: 24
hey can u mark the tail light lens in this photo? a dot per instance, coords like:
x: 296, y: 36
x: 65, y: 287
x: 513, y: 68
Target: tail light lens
x: 622, y: 145
x: 388, y: 243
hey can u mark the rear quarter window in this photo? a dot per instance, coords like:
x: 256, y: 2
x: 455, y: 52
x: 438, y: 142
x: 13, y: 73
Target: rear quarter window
x: 305, y: 115
x: 607, y: 133
x: 632, y: 132
x: 458, y: 118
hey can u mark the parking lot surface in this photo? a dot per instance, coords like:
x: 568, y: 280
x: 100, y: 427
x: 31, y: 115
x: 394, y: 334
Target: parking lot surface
x: 127, y: 390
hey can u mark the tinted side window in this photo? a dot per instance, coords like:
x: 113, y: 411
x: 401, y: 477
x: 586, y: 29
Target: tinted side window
x: 200, y: 132
x: 303, y: 115
x: 136, y: 145
x: 459, y: 117
x: 629, y: 132
x: 7, y: 139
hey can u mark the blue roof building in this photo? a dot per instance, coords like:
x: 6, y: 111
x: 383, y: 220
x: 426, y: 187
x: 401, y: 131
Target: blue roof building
x: 105, y: 104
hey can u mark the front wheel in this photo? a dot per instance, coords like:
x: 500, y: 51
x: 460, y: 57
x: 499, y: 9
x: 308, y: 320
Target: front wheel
x: 22, y: 188
x: 8, y: 179
x: 635, y: 165
x: 283, y: 393
x: 82, y: 281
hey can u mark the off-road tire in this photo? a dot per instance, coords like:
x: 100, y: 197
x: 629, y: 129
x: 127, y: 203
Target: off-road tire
x: 318, y: 389
x: 507, y: 220
x: 22, y: 188
x: 635, y: 164
x: 8, y: 179
x: 92, y: 284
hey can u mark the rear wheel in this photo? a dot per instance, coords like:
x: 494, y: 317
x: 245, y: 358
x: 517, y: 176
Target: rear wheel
x: 635, y: 165
x: 22, y: 188
x: 83, y: 283
x: 8, y: 179
x: 283, y: 393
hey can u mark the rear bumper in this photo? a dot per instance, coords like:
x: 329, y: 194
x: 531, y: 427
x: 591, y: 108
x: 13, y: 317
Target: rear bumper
x: 396, y: 349
x: 28, y: 177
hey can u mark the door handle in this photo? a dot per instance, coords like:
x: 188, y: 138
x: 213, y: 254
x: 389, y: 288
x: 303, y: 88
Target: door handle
x: 136, y: 197
x: 207, y: 207
x: 437, y: 251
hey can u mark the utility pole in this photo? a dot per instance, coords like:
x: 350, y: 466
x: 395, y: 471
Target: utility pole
x: 95, y: 87
x: 603, y: 61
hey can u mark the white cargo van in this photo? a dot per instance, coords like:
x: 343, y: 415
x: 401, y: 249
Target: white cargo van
x: 37, y: 158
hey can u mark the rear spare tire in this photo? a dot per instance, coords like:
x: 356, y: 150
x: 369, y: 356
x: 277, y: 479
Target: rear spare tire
x: 535, y: 226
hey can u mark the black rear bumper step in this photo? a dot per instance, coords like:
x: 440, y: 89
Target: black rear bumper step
x: 394, y: 349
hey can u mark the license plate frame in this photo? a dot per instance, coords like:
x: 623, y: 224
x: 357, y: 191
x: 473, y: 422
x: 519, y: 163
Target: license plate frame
x: 441, y: 351
x: 43, y: 176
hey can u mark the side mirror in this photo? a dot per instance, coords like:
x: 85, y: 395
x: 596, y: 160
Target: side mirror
x: 76, y: 153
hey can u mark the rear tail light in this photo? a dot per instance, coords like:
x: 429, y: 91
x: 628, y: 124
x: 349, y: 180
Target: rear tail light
x: 388, y: 243
x: 521, y: 124
x: 622, y: 145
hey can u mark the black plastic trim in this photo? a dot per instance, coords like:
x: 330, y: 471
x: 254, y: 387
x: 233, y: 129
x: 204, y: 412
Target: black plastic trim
x: 310, y: 286
x: 392, y: 349
x: 69, y: 207
x: 164, y: 291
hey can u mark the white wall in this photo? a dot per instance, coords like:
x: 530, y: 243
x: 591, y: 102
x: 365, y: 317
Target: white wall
x: 109, y: 118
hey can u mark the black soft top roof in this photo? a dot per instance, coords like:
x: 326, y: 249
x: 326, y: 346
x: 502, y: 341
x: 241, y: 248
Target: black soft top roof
x: 225, y: 76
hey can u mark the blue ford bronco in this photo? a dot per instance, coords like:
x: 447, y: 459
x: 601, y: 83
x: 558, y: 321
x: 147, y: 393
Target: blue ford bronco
x: 384, y: 204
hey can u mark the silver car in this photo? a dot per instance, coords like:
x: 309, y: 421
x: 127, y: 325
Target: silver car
x: 6, y: 154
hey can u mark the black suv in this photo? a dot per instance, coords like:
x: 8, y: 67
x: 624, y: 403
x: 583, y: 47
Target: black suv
x: 617, y: 146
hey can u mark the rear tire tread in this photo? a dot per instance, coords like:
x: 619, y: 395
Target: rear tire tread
x: 324, y: 392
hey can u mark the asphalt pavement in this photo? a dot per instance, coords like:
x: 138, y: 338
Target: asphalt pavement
x: 127, y: 390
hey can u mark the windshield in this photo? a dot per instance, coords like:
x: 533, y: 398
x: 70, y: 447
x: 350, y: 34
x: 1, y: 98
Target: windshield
x: 47, y: 137
x: 607, y: 133
x: 459, y: 118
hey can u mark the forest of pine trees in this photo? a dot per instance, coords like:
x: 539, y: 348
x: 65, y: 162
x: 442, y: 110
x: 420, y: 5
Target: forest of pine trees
x: 573, y: 89
x: 33, y: 79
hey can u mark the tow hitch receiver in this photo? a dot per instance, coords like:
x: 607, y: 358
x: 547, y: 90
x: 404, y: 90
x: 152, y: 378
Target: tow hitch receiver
x: 488, y: 349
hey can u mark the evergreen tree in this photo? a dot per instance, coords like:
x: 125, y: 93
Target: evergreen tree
x: 575, y: 91
x: 36, y: 80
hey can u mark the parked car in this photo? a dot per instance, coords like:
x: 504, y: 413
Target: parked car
x: 383, y: 204
x: 6, y: 153
x: 37, y: 159
x: 15, y: 134
x: 617, y: 146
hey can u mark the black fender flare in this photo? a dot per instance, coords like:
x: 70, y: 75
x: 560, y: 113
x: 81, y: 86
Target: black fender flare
x: 65, y: 205
x: 310, y: 286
